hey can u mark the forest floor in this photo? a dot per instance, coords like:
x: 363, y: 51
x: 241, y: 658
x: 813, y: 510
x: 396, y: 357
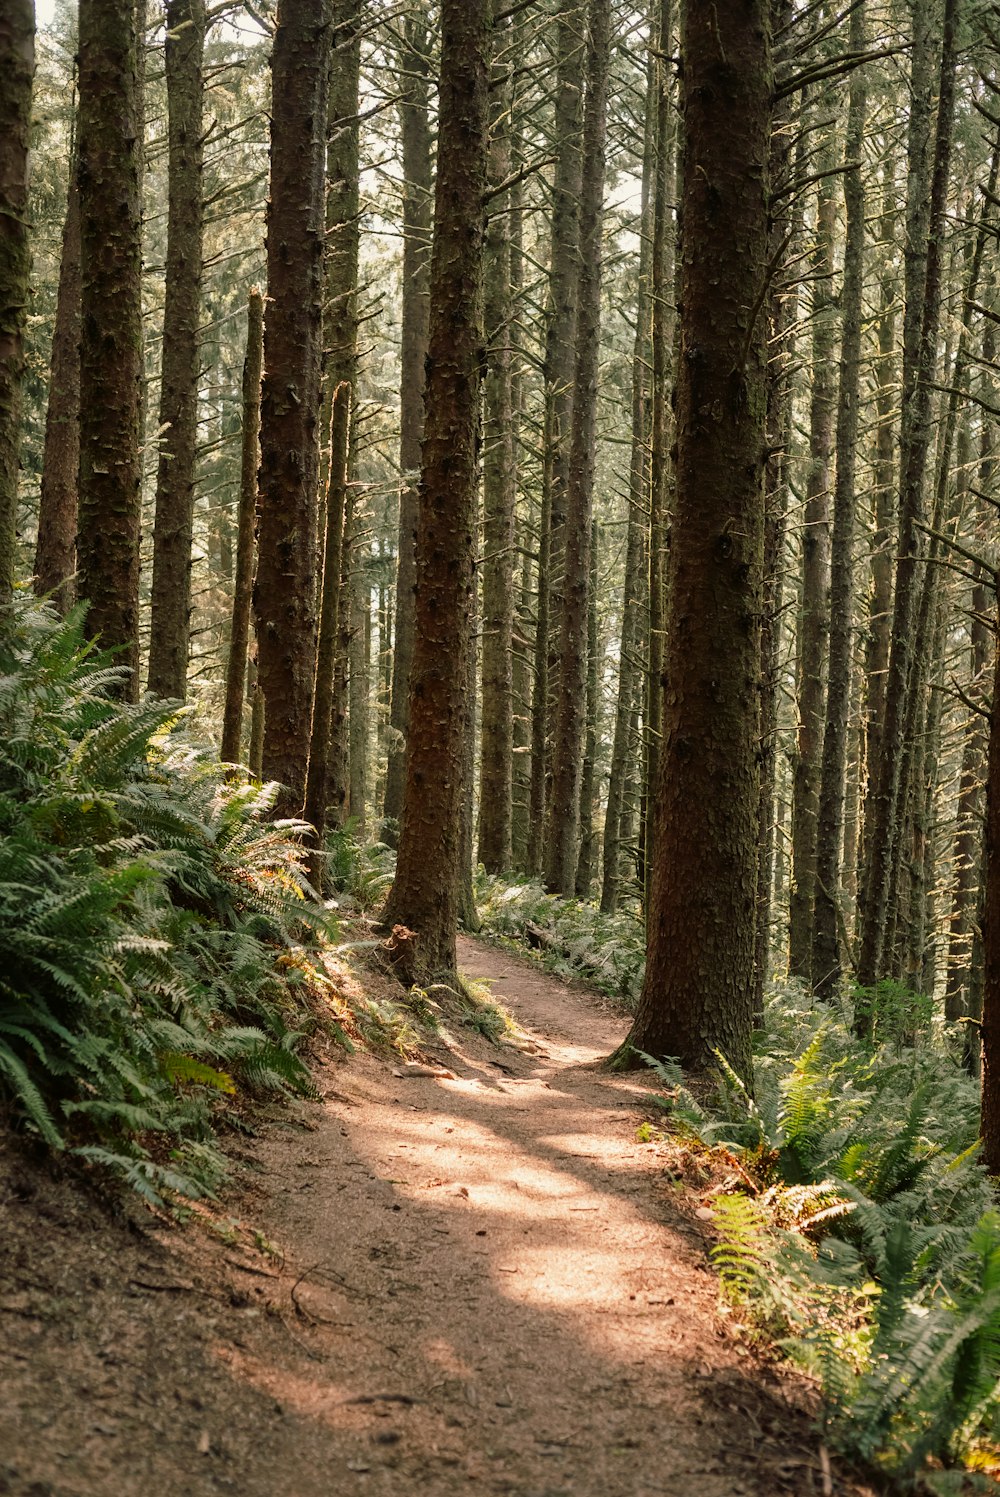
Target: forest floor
x: 461, y: 1275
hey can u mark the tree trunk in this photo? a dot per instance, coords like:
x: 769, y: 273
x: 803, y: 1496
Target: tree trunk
x: 17, y: 68
x: 883, y: 476
x: 991, y: 945
x: 499, y: 480
x: 920, y: 327
x: 814, y: 591
x: 698, y: 991
x: 634, y: 601
x: 833, y: 774
x: 424, y: 895
x: 239, y: 638
x: 562, y: 849
x: 782, y: 315
x: 359, y: 666
x: 111, y: 158
x: 285, y: 589
x: 170, y: 624
x: 664, y: 290
x: 588, y: 777
x: 560, y: 343
x: 340, y: 337
x: 418, y: 181
x: 55, y: 553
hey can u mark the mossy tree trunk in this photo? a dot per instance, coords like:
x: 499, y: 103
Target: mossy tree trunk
x: 111, y: 158
x: 698, y: 991
x: 170, y: 624
x: 424, y: 895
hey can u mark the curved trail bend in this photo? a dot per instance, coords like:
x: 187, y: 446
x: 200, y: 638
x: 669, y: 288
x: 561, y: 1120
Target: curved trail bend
x: 486, y: 1286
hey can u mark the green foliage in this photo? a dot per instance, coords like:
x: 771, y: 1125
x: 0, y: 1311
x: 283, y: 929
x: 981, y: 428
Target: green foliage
x: 607, y: 951
x: 150, y: 914
x: 867, y: 1242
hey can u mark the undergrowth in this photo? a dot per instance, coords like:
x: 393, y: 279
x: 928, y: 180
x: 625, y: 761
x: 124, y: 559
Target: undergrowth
x: 154, y: 921
x: 569, y: 937
x: 859, y: 1230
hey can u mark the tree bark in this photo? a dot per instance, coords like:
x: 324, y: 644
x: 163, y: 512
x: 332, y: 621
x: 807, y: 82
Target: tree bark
x: 698, y: 991
x: 17, y: 68
x: 562, y: 841
x: 55, y: 552
x: 340, y: 337
x: 560, y: 343
x: 920, y: 327
x: 826, y: 955
x: 496, y: 766
x: 285, y: 589
x: 424, y: 895
x: 814, y: 589
x: 170, y: 624
x: 634, y: 600
x: 239, y: 637
x: 111, y: 158
x: 418, y: 183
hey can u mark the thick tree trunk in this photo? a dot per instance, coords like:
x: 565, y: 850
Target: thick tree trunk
x: 698, y: 992
x: 55, y: 553
x: 285, y: 589
x: 562, y: 840
x: 239, y: 638
x: 826, y: 956
x: 17, y: 68
x: 170, y: 624
x: 111, y: 154
x: 424, y: 895
x: 418, y: 180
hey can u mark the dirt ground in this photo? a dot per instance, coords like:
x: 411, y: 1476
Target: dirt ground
x: 458, y: 1276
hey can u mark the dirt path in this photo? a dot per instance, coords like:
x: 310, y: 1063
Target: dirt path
x: 485, y: 1287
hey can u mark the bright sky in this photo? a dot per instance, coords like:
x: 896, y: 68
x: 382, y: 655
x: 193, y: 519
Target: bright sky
x: 44, y: 10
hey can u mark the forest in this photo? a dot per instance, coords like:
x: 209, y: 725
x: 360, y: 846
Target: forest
x: 523, y: 470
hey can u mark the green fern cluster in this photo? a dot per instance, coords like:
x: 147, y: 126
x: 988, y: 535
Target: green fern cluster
x: 871, y: 1249
x: 608, y: 951
x: 149, y: 915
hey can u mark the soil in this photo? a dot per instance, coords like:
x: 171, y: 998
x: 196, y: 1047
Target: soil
x: 456, y: 1276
